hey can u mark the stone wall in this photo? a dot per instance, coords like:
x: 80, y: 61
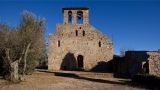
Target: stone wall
x: 154, y: 63
x: 87, y: 45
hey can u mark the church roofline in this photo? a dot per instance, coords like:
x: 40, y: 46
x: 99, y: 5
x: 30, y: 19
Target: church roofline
x: 75, y: 8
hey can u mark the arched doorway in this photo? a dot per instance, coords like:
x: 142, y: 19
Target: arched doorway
x: 80, y: 61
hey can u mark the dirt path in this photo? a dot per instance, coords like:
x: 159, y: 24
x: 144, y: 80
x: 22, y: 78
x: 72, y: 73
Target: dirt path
x: 58, y: 81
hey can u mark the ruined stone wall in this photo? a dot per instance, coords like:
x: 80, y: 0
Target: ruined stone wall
x: 86, y: 45
x: 154, y: 63
x: 135, y: 61
x: 146, y: 62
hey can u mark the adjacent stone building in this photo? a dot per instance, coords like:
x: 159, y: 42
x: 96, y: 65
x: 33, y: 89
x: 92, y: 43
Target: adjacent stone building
x: 77, y: 45
x: 142, y: 62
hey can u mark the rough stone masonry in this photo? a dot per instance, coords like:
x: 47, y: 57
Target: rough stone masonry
x: 77, y: 45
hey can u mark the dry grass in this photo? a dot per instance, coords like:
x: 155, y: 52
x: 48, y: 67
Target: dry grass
x: 49, y: 81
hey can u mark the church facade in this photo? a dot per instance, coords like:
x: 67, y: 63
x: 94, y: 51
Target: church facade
x: 77, y: 45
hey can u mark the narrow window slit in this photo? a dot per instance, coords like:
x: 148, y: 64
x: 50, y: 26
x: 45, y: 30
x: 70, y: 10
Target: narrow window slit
x: 58, y: 43
x: 100, y: 44
x: 83, y: 33
x: 76, y: 32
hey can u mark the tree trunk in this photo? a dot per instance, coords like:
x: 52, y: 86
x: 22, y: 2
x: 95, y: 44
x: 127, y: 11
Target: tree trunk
x: 14, y: 77
x: 13, y: 67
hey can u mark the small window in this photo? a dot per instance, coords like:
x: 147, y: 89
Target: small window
x: 58, y: 43
x: 100, y: 44
x: 76, y: 32
x: 83, y: 33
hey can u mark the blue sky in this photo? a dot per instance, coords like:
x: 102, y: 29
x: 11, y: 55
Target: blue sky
x: 132, y: 25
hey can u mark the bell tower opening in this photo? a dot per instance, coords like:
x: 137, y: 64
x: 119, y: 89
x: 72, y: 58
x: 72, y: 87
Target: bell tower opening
x: 79, y: 15
x: 80, y: 62
x: 69, y: 17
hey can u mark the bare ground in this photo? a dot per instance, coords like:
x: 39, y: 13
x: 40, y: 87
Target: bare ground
x: 58, y: 81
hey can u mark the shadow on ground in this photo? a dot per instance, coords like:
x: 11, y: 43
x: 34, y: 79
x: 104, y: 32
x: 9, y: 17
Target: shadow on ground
x: 118, y: 82
x: 72, y: 75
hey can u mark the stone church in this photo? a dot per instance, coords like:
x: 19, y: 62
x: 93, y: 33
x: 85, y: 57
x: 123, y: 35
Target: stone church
x: 77, y: 45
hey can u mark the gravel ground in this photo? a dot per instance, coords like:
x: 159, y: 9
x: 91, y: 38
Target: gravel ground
x: 49, y: 81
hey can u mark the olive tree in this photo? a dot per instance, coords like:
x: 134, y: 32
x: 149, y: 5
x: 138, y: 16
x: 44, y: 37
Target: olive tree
x: 22, y: 47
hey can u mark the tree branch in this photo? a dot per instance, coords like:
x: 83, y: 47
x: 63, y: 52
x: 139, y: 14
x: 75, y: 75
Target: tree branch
x: 25, y: 57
